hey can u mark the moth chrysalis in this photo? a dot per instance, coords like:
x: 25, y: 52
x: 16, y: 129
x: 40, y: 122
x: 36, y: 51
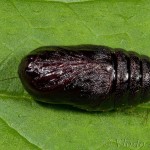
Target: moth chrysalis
x: 90, y: 77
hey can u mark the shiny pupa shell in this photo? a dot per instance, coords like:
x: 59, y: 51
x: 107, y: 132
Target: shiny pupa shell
x: 90, y: 77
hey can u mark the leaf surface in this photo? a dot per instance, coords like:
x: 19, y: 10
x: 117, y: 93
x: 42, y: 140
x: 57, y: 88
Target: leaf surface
x: 28, y: 24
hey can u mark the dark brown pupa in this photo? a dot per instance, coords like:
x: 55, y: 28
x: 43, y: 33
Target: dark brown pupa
x: 94, y: 78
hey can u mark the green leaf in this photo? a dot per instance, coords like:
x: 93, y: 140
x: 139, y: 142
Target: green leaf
x: 28, y: 24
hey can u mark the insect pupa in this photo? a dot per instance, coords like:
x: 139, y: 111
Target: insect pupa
x: 90, y: 77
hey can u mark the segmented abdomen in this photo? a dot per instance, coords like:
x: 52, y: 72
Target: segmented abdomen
x: 89, y: 77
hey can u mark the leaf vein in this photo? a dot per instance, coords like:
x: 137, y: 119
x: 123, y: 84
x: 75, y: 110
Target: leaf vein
x: 19, y: 134
x: 26, y: 20
x: 81, y: 20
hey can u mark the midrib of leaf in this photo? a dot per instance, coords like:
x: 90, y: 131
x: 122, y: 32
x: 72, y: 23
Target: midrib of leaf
x: 7, y: 95
x: 26, y: 97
